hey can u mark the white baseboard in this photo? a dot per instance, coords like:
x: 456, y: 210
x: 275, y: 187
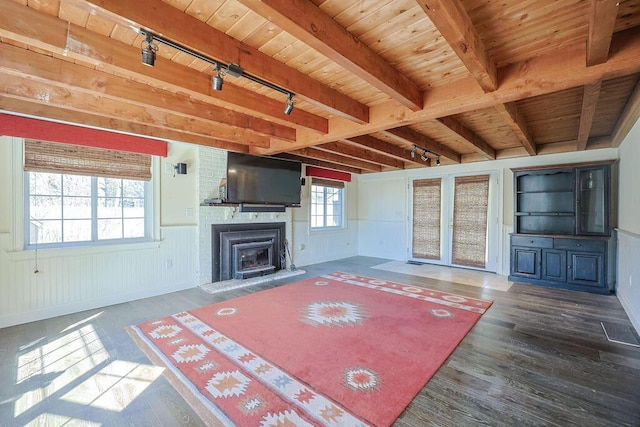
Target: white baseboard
x: 634, y: 317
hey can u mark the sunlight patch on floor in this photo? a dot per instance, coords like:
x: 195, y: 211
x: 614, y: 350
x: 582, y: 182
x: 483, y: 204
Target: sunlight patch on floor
x: 88, y: 319
x: 57, y: 364
x: 115, y: 386
x: 456, y: 275
x: 70, y: 365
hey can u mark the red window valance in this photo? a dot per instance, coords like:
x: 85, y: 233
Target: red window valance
x: 317, y: 172
x: 25, y: 127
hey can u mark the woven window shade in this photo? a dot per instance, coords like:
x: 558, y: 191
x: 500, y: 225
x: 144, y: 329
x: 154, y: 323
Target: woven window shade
x: 53, y: 157
x: 471, y: 201
x: 328, y: 183
x: 426, y: 218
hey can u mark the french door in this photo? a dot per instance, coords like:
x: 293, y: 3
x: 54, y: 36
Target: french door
x: 454, y: 221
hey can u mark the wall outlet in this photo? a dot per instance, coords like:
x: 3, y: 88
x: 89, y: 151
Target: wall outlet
x: 169, y: 264
x: 168, y: 168
x: 302, y: 246
x: 188, y: 212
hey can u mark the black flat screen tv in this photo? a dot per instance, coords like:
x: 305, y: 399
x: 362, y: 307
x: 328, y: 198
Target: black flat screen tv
x: 262, y: 180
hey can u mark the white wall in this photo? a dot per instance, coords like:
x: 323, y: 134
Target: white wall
x: 377, y: 225
x: 5, y: 189
x: 177, y: 206
x: 310, y: 247
x: 628, y: 284
x: 77, y: 279
x: 382, y: 215
x: 384, y: 211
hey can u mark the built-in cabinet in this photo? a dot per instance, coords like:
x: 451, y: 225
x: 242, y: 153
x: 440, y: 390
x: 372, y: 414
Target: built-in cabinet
x: 563, y: 227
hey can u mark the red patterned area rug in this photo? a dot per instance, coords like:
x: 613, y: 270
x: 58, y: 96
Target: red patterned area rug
x: 339, y: 350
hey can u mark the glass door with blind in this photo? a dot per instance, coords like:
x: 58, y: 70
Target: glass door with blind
x: 454, y: 221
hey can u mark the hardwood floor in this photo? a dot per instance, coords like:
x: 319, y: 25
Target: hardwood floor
x: 537, y: 357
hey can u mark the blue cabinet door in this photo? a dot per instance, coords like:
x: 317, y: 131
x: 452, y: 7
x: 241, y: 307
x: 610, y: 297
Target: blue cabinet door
x: 525, y: 262
x: 554, y: 265
x: 586, y: 268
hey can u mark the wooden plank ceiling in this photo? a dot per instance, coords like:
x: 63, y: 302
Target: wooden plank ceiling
x: 470, y: 80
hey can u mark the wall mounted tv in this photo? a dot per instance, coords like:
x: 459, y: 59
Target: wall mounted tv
x: 262, y: 180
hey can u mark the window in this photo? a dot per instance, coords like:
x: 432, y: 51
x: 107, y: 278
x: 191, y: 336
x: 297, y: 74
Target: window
x: 65, y: 209
x: 85, y: 195
x: 327, y: 204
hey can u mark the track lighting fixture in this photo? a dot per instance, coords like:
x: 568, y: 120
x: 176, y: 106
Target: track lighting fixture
x: 424, y: 156
x: 149, y: 49
x: 288, y: 108
x: 217, y: 81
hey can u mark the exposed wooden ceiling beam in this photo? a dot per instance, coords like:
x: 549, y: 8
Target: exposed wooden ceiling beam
x: 453, y: 22
x: 564, y: 69
x: 314, y: 153
x: 410, y: 136
x: 516, y: 122
x: 309, y: 24
x: 48, y: 93
x: 602, y: 21
x: 590, y: 97
x: 361, y: 153
x: 102, y: 122
x: 320, y: 163
x: 52, y: 34
x: 628, y: 118
x: 182, y: 28
x: 469, y: 136
x: 46, y: 68
x: 385, y: 148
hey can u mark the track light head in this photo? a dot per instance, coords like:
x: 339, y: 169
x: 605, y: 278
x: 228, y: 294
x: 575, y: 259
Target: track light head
x: 217, y: 81
x: 288, y: 108
x: 149, y: 49
x: 413, y: 151
x: 424, y: 157
x: 148, y: 57
x: 438, y: 160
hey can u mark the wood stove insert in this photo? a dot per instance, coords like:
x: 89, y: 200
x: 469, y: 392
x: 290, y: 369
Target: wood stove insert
x: 241, y: 251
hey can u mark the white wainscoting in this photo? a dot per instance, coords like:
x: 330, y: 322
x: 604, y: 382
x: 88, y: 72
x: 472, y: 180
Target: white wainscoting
x: 75, y: 280
x: 312, y: 247
x: 628, y: 280
x: 383, y: 239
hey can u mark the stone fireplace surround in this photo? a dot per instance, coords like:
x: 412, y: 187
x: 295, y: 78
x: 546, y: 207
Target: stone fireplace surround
x: 224, y: 237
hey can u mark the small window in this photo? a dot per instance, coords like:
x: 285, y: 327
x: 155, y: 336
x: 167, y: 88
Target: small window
x: 327, y: 204
x: 63, y: 210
